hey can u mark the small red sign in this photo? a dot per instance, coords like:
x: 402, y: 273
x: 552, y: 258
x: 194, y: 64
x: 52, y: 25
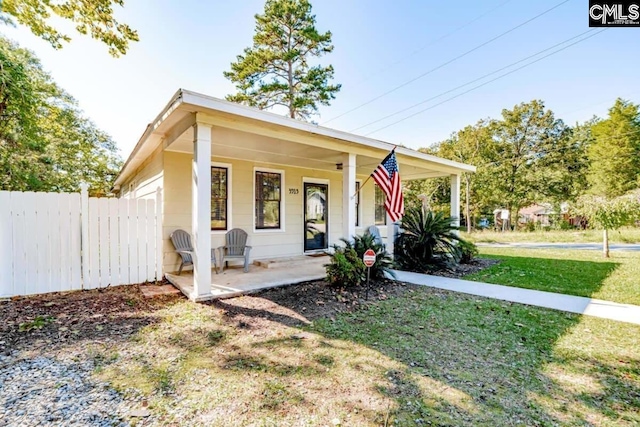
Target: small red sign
x: 369, y: 258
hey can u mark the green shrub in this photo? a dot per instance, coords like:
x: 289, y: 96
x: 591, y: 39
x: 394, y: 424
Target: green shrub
x: 428, y: 241
x: 565, y: 225
x: 345, y: 267
x: 384, y: 262
x: 468, y: 251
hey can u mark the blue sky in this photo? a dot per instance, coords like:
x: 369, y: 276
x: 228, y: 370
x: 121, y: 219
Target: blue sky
x: 378, y: 46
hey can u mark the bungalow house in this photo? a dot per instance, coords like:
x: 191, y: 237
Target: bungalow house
x: 287, y: 183
x: 537, y: 213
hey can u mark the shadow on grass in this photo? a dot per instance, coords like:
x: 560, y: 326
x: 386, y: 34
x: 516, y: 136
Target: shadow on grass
x: 473, y: 361
x: 441, y: 358
x: 565, y: 276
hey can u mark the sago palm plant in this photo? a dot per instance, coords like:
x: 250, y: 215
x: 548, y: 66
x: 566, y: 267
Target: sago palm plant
x: 384, y: 263
x: 427, y: 242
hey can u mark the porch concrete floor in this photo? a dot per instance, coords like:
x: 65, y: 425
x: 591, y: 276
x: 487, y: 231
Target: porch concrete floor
x: 233, y: 281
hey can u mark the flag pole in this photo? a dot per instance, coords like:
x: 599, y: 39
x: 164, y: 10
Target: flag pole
x: 369, y: 177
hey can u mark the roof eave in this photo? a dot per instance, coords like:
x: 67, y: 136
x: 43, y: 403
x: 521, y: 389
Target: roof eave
x: 175, y: 102
x: 206, y: 101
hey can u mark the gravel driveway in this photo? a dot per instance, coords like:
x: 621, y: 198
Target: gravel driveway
x: 44, y: 391
x: 48, y: 357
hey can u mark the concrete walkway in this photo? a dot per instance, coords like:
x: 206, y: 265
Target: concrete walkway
x: 580, y: 305
x: 577, y: 246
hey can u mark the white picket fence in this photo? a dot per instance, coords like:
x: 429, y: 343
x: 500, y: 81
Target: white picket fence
x: 52, y: 242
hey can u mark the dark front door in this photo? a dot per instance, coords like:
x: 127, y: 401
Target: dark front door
x: 316, y: 216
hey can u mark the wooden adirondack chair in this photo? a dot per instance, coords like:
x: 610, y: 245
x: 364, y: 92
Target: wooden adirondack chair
x: 182, y: 242
x: 235, y: 248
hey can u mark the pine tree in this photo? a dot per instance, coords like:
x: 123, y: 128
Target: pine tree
x: 276, y: 70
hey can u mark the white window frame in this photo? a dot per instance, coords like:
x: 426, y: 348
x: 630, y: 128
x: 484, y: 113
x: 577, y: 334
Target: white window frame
x: 386, y: 218
x: 327, y: 182
x: 228, y: 166
x: 282, y: 201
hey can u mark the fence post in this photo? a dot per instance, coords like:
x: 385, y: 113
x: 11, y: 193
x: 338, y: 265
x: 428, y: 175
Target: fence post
x: 159, y: 240
x: 84, y: 231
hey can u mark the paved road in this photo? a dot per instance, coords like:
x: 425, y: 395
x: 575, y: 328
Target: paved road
x: 580, y: 305
x: 579, y: 246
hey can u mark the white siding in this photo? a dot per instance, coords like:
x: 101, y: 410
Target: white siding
x: 266, y: 244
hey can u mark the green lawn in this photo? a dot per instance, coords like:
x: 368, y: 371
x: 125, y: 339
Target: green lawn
x: 625, y: 235
x: 427, y: 357
x: 582, y: 273
x: 478, y: 362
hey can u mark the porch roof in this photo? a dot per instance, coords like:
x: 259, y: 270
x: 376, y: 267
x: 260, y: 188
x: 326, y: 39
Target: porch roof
x: 276, y: 138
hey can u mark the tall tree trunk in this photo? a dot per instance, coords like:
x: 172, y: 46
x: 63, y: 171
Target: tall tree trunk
x: 467, y: 210
x: 605, y: 243
x: 513, y: 218
x: 292, y: 111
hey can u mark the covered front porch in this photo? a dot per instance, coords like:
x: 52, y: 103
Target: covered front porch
x: 290, y: 185
x: 264, y: 274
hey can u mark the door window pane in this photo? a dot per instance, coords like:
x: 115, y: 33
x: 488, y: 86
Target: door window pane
x: 316, y: 218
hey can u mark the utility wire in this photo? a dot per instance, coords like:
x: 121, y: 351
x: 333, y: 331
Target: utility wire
x: 431, y: 43
x: 626, y: 96
x: 485, y: 83
x: 470, y: 82
x: 447, y: 62
x: 497, y: 162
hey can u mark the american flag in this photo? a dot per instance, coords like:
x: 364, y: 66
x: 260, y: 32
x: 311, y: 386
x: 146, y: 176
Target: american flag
x: 387, y: 176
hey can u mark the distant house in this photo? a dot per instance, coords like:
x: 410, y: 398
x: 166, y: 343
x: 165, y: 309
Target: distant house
x: 537, y: 213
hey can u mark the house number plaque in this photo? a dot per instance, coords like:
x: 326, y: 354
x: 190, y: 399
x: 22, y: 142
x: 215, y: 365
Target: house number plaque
x: 294, y: 191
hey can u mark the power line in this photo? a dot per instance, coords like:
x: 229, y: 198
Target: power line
x: 447, y: 62
x: 626, y: 95
x: 497, y: 162
x: 565, y: 149
x: 431, y: 43
x: 470, y: 82
x: 485, y: 83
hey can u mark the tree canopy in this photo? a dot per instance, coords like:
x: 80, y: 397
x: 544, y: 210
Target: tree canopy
x: 95, y: 18
x: 46, y: 144
x: 614, y: 155
x: 530, y: 156
x: 277, y: 69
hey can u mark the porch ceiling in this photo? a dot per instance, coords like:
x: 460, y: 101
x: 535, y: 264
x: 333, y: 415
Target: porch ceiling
x: 240, y: 145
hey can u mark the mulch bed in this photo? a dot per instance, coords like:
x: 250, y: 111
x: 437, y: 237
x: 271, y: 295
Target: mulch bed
x: 51, y: 321
x: 317, y: 299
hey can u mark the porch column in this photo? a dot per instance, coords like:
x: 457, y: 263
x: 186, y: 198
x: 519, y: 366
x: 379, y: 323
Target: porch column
x: 455, y: 199
x: 201, y: 210
x: 348, y: 190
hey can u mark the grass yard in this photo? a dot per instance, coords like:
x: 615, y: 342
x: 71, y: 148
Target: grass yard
x: 581, y: 273
x: 418, y: 357
x: 625, y: 235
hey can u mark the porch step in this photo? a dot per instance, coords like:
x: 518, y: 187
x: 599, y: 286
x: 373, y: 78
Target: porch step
x: 291, y: 261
